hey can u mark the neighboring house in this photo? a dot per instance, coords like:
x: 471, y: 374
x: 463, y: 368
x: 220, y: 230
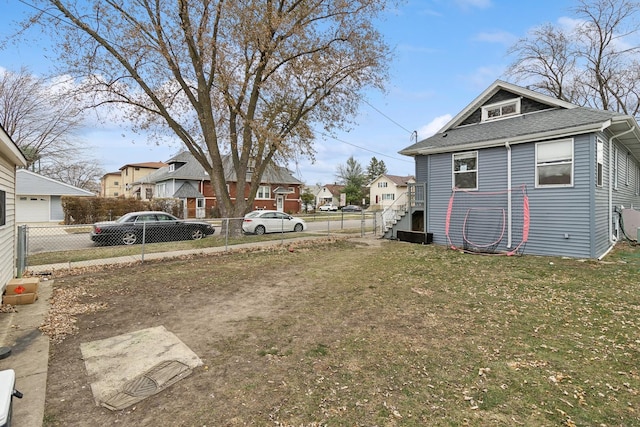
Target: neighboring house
x: 185, y: 178
x: 10, y: 158
x: 39, y: 198
x: 111, y: 185
x: 121, y: 183
x: 327, y: 194
x: 387, y: 190
x: 579, y: 166
x: 133, y: 173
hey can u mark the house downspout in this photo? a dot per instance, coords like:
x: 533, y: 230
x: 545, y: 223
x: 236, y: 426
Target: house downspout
x: 508, y: 147
x: 612, y: 240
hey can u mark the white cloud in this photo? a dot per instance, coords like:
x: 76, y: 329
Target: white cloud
x: 501, y: 37
x: 482, y: 77
x: 569, y: 24
x: 433, y: 126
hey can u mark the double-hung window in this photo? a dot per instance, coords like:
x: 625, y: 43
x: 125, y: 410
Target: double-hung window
x: 264, y: 192
x: 554, y: 163
x: 465, y: 170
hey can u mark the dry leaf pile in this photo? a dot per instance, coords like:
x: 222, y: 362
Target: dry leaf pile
x: 65, y: 304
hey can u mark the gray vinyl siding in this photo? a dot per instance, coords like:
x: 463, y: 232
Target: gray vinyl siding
x: 560, y: 218
x: 564, y: 221
x: 554, y: 212
x: 439, y: 193
x: 7, y: 231
x: 600, y: 223
x: 625, y: 194
x: 492, y: 175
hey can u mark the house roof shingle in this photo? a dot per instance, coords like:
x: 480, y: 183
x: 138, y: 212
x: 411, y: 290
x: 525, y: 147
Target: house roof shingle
x: 558, y: 119
x: 399, y: 180
x: 32, y: 184
x: 520, y: 128
x: 150, y: 165
x: 191, y: 169
x: 187, y: 191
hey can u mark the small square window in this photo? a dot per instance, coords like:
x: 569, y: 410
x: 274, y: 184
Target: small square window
x: 465, y: 170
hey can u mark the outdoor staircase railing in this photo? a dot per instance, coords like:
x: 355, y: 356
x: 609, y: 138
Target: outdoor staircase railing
x: 413, y: 199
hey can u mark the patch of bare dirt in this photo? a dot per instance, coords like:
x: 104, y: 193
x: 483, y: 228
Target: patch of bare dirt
x: 211, y: 303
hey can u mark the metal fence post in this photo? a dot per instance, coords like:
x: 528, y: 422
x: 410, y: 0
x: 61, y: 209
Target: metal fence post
x: 375, y: 223
x: 144, y: 235
x: 21, y: 250
x: 226, y: 235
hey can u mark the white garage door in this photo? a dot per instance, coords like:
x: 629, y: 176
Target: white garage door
x: 32, y: 209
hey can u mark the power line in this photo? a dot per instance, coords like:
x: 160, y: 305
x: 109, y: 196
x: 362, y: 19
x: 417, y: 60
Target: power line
x: 365, y: 149
x: 387, y: 117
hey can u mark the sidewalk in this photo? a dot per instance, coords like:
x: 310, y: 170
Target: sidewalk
x: 29, y: 356
x: 49, y: 268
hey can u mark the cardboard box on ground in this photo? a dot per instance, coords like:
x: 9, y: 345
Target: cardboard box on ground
x: 21, y: 291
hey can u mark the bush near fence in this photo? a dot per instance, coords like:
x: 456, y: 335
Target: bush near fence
x: 87, y: 210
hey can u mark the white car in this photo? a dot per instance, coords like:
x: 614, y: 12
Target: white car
x: 260, y: 222
x: 328, y: 207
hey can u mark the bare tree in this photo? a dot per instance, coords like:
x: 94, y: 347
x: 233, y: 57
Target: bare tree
x: 592, y: 64
x: 39, y: 116
x: 249, y: 78
x: 81, y: 174
x: 545, y: 59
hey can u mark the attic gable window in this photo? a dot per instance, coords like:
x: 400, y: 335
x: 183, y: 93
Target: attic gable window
x: 500, y: 109
x: 172, y: 167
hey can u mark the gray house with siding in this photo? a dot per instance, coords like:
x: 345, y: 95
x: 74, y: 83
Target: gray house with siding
x: 39, y: 198
x: 577, y: 166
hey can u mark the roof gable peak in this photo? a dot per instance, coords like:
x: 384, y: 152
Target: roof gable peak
x: 518, y: 92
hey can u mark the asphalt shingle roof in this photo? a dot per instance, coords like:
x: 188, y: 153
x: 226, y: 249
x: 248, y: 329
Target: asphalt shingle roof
x: 192, y: 170
x: 519, y: 126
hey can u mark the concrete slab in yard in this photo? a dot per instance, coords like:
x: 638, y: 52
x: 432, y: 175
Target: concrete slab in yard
x: 113, y: 364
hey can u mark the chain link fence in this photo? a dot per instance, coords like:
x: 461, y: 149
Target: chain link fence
x: 43, y: 248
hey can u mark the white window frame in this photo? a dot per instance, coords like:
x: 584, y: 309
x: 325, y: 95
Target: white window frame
x: 260, y: 194
x: 465, y: 155
x: 382, y: 184
x: 172, y: 167
x: 615, y: 168
x: 516, y: 103
x: 555, y: 162
x: 627, y: 170
x: 599, y: 162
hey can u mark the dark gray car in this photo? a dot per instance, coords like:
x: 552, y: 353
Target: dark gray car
x: 152, y: 226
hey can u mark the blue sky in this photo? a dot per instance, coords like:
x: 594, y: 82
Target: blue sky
x: 446, y: 53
